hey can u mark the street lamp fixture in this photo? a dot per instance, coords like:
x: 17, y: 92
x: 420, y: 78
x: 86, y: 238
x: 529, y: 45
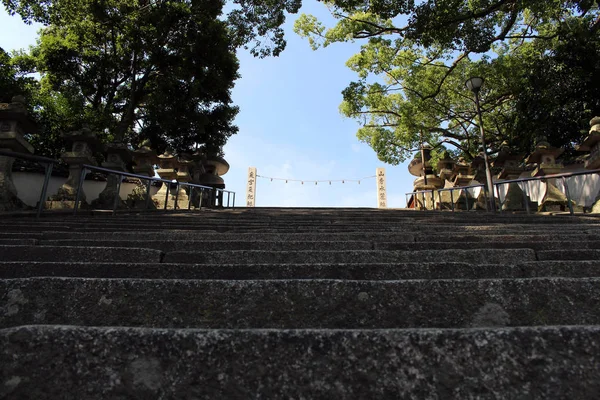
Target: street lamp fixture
x: 474, y: 85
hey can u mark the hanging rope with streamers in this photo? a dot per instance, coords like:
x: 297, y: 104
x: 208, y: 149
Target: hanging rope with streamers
x: 308, y: 181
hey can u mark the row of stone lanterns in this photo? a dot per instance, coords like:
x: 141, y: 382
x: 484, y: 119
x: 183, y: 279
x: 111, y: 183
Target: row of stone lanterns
x: 461, y: 173
x: 196, y: 168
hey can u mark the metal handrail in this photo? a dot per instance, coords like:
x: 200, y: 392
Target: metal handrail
x: 85, y: 168
x: 562, y: 176
x: 48, y: 164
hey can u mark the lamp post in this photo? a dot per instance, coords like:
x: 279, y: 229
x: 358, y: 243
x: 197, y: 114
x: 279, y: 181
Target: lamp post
x: 474, y: 85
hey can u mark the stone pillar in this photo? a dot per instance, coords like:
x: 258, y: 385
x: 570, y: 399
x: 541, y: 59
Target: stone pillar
x: 381, y: 188
x: 251, y: 188
x: 545, y: 157
x: 83, y: 145
x: 14, y: 123
x: 117, y: 157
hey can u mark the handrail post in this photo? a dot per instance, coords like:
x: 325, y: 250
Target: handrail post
x: 233, y: 205
x: 525, y: 200
x: 117, y: 194
x: 167, y: 195
x: 466, y: 199
x: 191, y: 195
x: 82, y: 175
x: 228, y: 196
x: 487, y: 199
x: 571, y: 211
x: 440, y: 199
x: 49, y: 167
x: 148, y: 186
x: 500, y: 202
x: 452, y: 199
x: 176, y: 197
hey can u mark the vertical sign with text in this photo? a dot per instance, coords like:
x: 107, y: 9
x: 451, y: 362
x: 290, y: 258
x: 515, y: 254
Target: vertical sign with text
x: 251, y: 188
x: 381, y: 188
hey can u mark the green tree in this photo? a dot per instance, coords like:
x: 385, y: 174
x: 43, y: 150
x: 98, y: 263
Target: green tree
x: 417, y: 56
x: 253, y: 24
x: 161, y: 71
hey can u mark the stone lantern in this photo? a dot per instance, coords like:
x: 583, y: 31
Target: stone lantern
x: 183, y: 176
x: 426, y: 181
x: 118, y: 156
x: 214, y: 168
x: 144, y: 160
x: 592, y: 144
x: 14, y: 124
x: 463, y: 176
x: 168, y: 170
x: 446, y: 172
x: 509, y: 161
x: 545, y: 157
x: 84, y: 144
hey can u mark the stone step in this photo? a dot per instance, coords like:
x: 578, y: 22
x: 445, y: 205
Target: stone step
x: 569, y: 254
x: 212, y: 245
x: 476, y: 256
x: 64, y: 362
x: 392, y: 271
x: 78, y: 254
x: 17, y: 241
x: 298, y: 237
x: 299, y: 304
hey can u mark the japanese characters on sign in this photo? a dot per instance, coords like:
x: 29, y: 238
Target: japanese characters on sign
x: 251, y: 188
x: 381, y: 188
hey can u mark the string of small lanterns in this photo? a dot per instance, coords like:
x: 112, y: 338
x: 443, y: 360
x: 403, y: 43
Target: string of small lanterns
x: 316, y: 182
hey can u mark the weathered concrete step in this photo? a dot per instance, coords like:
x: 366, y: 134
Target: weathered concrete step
x: 477, y: 256
x: 78, y: 254
x: 178, y: 245
x: 300, y: 303
x: 211, y: 245
x: 395, y: 271
x: 165, y: 235
x: 17, y: 241
x: 569, y: 254
x: 48, y: 362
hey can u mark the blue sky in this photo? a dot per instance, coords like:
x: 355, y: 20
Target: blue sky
x: 290, y: 126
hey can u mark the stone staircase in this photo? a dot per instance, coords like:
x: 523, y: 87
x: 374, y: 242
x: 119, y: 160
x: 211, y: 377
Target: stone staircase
x: 300, y: 304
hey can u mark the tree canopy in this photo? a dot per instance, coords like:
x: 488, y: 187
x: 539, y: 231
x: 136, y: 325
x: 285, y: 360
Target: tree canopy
x: 539, y: 59
x: 162, y: 71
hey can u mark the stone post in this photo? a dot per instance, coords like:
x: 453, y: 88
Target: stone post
x: 251, y: 188
x: 14, y: 124
x: 83, y: 145
x: 381, y: 188
x: 117, y: 157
